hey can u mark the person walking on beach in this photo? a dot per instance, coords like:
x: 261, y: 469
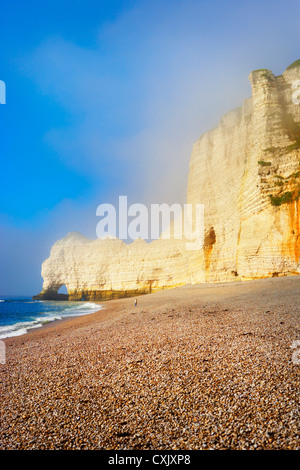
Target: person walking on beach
x: 135, y: 304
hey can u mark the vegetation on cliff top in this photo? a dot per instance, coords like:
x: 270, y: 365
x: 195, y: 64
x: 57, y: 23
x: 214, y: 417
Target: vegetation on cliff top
x: 294, y: 65
x: 266, y: 73
x: 262, y: 70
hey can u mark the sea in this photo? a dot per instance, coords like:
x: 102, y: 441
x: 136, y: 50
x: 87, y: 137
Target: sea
x: 18, y: 315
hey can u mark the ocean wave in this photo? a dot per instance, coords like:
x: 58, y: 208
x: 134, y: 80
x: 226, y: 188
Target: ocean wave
x: 21, y: 328
x: 18, y: 329
x: 88, y: 305
x: 20, y: 332
x: 82, y: 309
x: 49, y: 319
x: 60, y: 311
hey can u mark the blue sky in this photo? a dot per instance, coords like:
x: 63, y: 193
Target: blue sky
x: 106, y: 98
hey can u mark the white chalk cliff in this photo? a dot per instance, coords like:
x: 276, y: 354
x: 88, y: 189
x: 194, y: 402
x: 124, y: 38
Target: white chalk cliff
x: 246, y: 172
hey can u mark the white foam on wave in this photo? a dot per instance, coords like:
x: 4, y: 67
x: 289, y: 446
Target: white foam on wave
x: 89, y: 305
x: 49, y: 319
x: 21, y: 328
x: 21, y: 331
x: 18, y: 329
x: 82, y: 309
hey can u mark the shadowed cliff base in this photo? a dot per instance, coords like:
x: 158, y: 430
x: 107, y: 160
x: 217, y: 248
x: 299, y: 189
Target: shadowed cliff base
x: 97, y: 295
x: 90, y: 295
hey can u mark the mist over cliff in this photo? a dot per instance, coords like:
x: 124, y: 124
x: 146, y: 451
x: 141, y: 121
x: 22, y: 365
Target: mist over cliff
x: 246, y: 173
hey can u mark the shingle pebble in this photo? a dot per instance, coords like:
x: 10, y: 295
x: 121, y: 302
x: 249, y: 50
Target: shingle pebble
x: 172, y: 376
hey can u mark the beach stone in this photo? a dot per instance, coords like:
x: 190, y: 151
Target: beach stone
x: 84, y: 389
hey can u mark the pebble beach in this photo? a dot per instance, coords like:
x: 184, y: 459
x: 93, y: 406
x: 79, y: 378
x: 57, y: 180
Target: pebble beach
x: 209, y: 366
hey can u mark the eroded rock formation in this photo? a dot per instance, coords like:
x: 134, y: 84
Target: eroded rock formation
x: 246, y: 172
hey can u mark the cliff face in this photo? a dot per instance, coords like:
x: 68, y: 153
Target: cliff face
x: 246, y: 172
x: 109, y: 268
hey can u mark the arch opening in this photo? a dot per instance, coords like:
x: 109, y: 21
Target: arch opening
x: 63, y: 290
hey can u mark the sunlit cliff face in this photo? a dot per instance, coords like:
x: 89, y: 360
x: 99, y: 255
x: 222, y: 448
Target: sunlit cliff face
x: 246, y: 172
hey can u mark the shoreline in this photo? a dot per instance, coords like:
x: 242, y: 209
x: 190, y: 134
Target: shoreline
x: 39, y: 321
x: 112, y: 302
x: 195, y: 367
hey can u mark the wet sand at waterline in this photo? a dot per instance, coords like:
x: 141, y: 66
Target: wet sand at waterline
x: 210, y: 366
